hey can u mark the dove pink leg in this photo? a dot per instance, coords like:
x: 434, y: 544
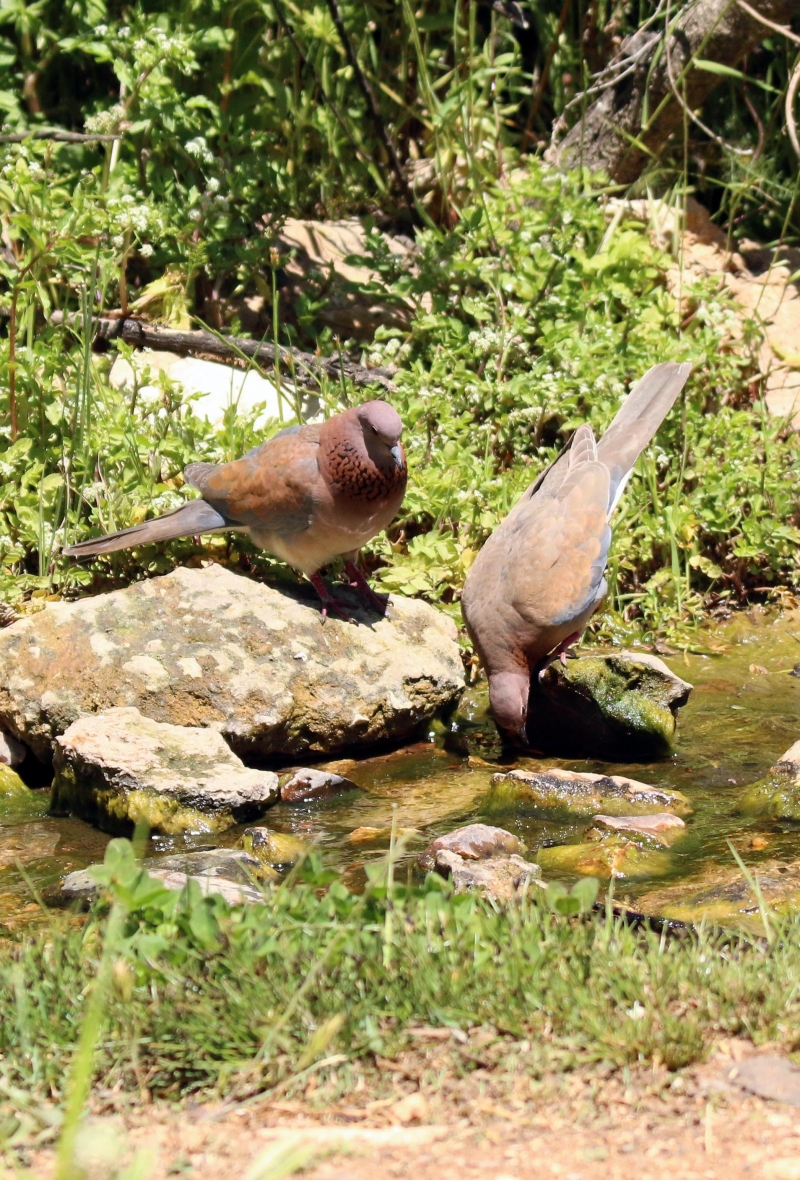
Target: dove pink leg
x: 559, y: 652
x: 329, y: 603
x: 365, y: 592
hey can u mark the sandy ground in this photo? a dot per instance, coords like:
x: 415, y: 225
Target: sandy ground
x: 577, y: 1126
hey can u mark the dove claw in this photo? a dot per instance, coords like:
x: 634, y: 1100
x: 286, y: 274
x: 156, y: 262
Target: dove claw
x: 329, y: 602
x: 368, y: 597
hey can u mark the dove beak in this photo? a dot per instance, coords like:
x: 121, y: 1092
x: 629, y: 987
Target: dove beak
x: 397, y: 454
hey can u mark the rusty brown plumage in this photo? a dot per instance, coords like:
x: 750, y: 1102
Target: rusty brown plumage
x: 308, y: 495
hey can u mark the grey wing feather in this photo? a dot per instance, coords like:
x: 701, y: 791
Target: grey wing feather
x: 195, y: 517
x: 637, y: 420
x: 197, y: 473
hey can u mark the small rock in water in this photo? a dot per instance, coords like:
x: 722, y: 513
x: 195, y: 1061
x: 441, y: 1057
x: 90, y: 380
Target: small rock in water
x: 273, y: 848
x: 306, y: 785
x: 367, y: 835
x: 778, y: 794
x: 229, y: 872
x: 12, y: 752
x: 580, y: 794
x: 118, y: 768
x: 619, y: 706
x: 612, y: 857
x: 500, y: 878
x: 473, y: 842
x: 663, y: 827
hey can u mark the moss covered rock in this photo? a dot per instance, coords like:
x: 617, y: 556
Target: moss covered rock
x: 613, y: 856
x: 11, y: 783
x: 118, y: 768
x: 621, y: 706
x: 276, y: 849
x: 580, y: 795
x: 778, y: 794
x: 724, y: 895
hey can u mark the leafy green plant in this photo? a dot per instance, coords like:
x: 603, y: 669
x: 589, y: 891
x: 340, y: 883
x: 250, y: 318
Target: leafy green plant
x: 577, y: 900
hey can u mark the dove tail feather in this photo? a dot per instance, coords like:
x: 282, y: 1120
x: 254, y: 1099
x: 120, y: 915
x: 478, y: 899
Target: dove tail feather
x: 195, y: 517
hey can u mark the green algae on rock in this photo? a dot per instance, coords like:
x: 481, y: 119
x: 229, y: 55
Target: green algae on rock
x: 612, y: 857
x: 580, y: 795
x: 723, y: 895
x: 11, y: 783
x: 273, y: 848
x: 778, y: 794
x: 118, y: 768
x: 618, y: 706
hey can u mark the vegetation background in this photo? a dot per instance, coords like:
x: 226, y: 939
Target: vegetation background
x: 532, y: 307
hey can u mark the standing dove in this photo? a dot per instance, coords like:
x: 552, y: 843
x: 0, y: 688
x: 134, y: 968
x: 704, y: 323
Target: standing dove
x: 540, y: 576
x: 308, y: 495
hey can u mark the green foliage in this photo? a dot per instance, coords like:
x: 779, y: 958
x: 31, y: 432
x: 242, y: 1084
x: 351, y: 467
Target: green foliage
x: 204, y: 997
x: 577, y: 900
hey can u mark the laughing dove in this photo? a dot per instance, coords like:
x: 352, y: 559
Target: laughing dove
x: 540, y: 576
x: 308, y: 495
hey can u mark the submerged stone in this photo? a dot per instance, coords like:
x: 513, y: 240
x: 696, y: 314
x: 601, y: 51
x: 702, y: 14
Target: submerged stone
x: 611, y: 857
x: 621, y: 706
x: 473, y: 842
x: 307, y: 785
x: 499, y: 878
x: 228, y: 872
x: 273, y: 848
x: 208, y: 647
x: 368, y: 835
x: 778, y: 794
x: 723, y: 895
x: 580, y: 794
x: 118, y: 768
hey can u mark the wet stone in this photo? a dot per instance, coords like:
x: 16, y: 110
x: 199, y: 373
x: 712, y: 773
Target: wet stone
x: 473, y: 842
x: 12, y: 752
x: 10, y: 782
x: 118, y: 768
x: 273, y: 848
x: 778, y: 794
x: 306, y: 785
x: 499, y: 878
x: 621, y: 706
x: 722, y: 894
x: 611, y: 857
x: 228, y: 872
x: 580, y: 795
x: 369, y: 835
x: 661, y: 828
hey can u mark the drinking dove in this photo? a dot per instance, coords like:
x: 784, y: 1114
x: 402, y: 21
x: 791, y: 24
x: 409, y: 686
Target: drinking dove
x: 540, y: 576
x: 309, y: 495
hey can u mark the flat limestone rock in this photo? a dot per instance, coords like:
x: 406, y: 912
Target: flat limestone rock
x: 621, y: 706
x: 473, y: 842
x: 778, y: 794
x: 500, y: 878
x: 207, y: 647
x: 580, y: 794
x: 118, y: 768
x: 768, y: 1076
x: 229, y: 872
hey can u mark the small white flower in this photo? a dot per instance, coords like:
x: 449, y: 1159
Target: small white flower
x: 213, y: 185
x: 146, y: 251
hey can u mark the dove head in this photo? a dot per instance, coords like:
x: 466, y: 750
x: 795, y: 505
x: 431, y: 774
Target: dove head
x: 382, y: 427
x: 508, y: 697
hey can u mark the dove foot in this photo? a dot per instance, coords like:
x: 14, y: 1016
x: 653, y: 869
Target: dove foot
x: 371, y: 600
x: 330, y: 604
x: 558, y: 653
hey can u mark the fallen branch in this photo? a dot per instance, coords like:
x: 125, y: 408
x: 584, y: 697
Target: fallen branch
x: 306, y: 369
x: 59, y: 136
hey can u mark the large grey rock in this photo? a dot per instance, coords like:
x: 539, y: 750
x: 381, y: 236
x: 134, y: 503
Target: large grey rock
x: 118, y: 768
x: 621, y: 706
x: 212, y: 648
x: 228, y: 872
